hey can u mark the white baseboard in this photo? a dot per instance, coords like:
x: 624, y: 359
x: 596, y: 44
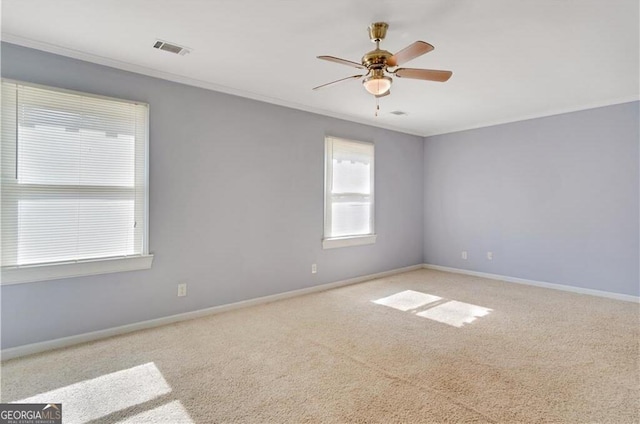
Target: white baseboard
x: 29, y: 349
x: 600, y: 293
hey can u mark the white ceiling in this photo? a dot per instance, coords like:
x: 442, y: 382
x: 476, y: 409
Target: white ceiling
x: 511, y: 60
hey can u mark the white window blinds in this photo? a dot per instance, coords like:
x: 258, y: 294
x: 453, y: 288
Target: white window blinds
x: 74, y: 177
x: 349, y: 188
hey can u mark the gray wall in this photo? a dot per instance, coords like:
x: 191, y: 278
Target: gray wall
x: 236, y: 205
x: 555, y: 199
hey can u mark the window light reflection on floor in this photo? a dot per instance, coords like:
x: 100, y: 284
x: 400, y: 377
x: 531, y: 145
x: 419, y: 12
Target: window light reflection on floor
x: 455, y: 313
x: 101, y: 396
x: 407, y: 300
x: 172, y: 412
x: 450, y: 312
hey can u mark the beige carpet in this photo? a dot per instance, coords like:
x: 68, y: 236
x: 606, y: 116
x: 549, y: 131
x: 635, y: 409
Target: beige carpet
x: 436, y: 347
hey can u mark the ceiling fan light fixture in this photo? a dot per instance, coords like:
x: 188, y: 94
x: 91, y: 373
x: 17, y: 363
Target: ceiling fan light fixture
x: 377, y: 84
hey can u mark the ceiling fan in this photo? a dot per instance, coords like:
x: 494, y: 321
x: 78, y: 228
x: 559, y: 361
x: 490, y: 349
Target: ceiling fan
x: 378, y: 62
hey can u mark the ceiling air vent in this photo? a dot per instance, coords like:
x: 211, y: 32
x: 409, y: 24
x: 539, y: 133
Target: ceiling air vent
x: 170, y: 47
x: 399, y: 113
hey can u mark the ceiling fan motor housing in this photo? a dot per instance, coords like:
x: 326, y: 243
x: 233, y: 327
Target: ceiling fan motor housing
x: 376, y: 59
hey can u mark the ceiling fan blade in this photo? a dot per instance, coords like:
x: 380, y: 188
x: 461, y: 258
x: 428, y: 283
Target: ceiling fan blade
x: 337, y: 81
x: 424, y: 74
x: 410, y: 52
x: 342, y: 61
x: 385, y: 94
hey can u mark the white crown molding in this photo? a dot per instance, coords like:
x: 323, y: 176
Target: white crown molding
x: 130, y: 67
x: 572, y: 289
x: 546, y: 114
x: 125, y: 66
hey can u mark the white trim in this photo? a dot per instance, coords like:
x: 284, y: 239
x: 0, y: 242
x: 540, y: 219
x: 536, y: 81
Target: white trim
x: 145, y: 237
x: 328, y: 182
x: 573, y: 289
x: 328, y: 241
x: 332, y: 243
x: 67, y: 269
x: 545, y: 114
x: 100, y: 60
x: 29, y: 349
x: 33, y: 273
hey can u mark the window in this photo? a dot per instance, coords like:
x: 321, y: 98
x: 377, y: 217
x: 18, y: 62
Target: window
x: 74, y: 184
x: 349, y: 208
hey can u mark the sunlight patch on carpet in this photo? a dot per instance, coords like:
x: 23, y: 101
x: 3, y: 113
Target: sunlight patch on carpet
x: 436, y: 308
x: 172, y: 412
x: 407, y: 300
x: 455, y: 313
x: 104, y: 395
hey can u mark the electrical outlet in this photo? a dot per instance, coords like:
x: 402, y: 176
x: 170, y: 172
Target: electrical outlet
x: 182, y: 289
x: 464, y: 255
x: 314, y: 268
x: 490, y: 256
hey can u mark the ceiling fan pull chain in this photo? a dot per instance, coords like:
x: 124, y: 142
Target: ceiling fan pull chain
x: 377, y: 106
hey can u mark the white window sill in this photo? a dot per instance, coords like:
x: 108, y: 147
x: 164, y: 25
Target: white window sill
x: 332, y: 243
x: 33, y: 273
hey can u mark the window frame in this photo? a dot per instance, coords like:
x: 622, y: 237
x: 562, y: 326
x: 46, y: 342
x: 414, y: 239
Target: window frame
x: 16, y: 274
x: 329, y: 242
